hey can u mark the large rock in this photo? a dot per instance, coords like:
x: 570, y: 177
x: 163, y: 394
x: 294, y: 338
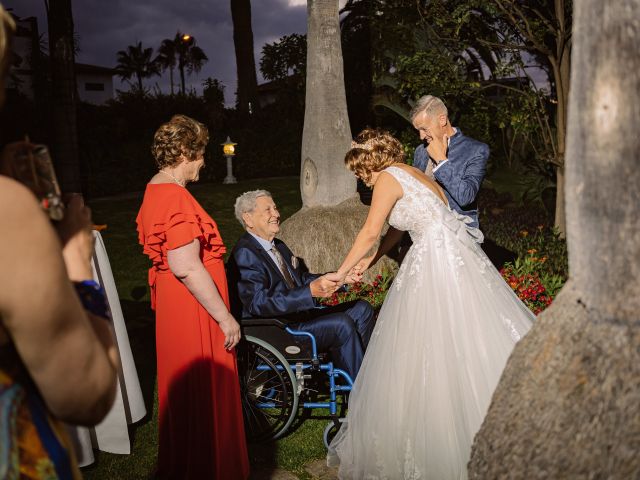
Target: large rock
x: 322, y: 236
x: 568, y: 403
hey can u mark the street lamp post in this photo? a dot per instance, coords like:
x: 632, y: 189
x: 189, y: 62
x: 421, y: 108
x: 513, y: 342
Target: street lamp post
x: 228, y: 148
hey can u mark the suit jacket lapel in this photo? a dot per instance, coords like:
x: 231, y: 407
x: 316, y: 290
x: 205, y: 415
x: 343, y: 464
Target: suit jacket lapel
x: 265, y: 255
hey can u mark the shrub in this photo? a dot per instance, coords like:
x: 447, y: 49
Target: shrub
x: 521, y: 229
x: 529, y: 289
x: 534, y: 286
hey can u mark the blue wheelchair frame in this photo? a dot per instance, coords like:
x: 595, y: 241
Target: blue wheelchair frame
x: 278, y: 395
x: 316, y: 365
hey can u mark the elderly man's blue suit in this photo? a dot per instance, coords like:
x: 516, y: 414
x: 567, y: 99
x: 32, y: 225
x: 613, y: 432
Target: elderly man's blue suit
x: 262, y: 292
x: 462, y: 175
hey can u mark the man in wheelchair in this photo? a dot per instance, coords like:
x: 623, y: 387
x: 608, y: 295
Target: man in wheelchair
x: 271, y: 282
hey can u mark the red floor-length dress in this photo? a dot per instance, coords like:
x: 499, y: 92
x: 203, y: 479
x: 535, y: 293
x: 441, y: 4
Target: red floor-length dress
x: 201, y: 427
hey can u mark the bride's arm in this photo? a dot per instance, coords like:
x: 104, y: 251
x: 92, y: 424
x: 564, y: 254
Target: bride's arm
x: 390, y: 240
x: 386, y: 192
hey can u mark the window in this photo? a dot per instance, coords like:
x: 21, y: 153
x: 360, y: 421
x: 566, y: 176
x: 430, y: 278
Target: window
x: 94, y: 87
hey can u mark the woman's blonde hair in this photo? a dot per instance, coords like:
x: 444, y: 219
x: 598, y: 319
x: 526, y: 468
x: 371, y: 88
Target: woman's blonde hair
x: 372, y: 151
x: 7, y: 29
x: 181, y: 136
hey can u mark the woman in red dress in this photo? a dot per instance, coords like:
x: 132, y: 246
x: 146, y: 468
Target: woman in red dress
x: 201, y: 426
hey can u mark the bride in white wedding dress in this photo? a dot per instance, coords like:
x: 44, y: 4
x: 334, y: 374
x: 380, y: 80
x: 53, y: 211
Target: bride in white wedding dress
x: 442, y: 338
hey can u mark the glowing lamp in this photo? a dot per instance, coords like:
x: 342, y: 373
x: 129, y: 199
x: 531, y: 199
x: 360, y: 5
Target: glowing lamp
x: 228, y: 147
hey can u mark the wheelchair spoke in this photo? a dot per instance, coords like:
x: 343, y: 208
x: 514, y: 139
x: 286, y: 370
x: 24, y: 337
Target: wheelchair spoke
x: 268, y: 390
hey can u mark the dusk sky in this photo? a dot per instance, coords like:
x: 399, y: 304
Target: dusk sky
x: 104, y: 27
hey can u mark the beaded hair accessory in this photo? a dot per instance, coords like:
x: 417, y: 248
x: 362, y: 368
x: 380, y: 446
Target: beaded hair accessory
x: 368, y: 145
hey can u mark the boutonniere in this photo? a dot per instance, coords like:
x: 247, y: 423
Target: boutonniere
x: 294, y: 262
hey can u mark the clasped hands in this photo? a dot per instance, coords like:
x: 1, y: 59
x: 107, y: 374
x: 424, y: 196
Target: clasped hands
x: 329, y: 283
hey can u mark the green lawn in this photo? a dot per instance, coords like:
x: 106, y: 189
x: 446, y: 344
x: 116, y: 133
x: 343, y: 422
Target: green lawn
x: 130, y: 266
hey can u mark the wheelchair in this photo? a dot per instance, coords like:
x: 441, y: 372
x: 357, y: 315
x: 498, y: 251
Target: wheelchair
x: 278, y: 367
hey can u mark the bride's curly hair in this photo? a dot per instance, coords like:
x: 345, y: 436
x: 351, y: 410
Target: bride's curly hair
x: 372, y: 151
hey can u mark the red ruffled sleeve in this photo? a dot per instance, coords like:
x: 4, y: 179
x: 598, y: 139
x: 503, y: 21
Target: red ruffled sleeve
x: 170, y: 218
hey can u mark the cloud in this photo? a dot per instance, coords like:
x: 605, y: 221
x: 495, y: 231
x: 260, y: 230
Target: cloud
x: 106, y: 27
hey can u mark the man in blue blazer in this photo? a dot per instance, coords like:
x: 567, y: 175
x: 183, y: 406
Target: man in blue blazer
x: 271, y: 282
x: 457, y: 162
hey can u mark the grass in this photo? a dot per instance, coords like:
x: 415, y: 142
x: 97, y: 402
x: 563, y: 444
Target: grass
x: 129, y: 265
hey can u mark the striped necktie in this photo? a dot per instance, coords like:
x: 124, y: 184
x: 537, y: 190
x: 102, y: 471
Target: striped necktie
x: 288, y: 279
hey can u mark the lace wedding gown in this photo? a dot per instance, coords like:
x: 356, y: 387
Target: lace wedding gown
x: 441, y: 341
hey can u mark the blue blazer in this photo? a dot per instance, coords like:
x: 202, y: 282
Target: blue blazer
x: 260, y: 287
x: 462, y: 175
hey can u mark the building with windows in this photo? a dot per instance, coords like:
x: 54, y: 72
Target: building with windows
x: 30, y: 73
x: 94, y: 83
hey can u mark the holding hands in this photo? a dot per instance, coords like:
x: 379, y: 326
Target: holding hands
x: 325, y: 285
x: 354, y: 275
x: 362, y: 265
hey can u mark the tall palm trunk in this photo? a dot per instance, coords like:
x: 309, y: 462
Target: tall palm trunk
x: 568, y: 404
x: 245, y: 61
x: 64, y: 95
x: 326, y: 136
x: 561, y: 65
x: 324, y: 229
x: 171, y: 78
x: 181, y: 68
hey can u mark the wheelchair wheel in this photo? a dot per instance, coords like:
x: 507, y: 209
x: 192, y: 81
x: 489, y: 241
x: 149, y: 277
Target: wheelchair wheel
x: 268, y: 390
x: 330, y: 431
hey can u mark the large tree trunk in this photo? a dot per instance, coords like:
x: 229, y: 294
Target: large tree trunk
x: 568, y: 403
x: 64, y: 97
x: 245, y: 61
x: 326, y: 137
x: 332, y: 215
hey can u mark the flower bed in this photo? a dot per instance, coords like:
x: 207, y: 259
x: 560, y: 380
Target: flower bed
x: 541, y: 267
x: 534, y: 288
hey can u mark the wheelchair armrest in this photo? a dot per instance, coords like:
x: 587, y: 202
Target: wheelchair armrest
x: 259, y: 322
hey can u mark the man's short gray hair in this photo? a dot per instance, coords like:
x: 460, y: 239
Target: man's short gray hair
x: 430, y: 105
x: 247, y: 203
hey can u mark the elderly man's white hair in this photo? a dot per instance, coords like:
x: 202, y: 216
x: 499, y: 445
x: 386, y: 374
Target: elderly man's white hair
x: 430, y: 105
x: 247, y: 203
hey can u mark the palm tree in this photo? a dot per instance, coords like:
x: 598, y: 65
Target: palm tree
x: 245, y: 61
x: 324, y: 180
x: 64, y: 94
x: 325, y: 228
x: 190, y: 56
x: 136, y: 61
x: 167, y: 58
